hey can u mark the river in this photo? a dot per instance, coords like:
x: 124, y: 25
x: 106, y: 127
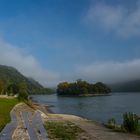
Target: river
x: 99, y: 108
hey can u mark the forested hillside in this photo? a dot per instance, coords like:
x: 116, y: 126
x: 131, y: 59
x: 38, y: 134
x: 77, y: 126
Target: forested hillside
x: 130, y: 86
x: 11, y: 80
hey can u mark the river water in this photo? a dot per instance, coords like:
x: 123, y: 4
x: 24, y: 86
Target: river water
x: 99, y: 108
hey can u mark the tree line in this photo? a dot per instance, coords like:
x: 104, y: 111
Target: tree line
x: 11, y: 89
x: 81, y: 87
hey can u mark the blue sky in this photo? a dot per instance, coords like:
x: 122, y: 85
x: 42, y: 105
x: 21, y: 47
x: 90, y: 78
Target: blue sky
x: 63, y: 40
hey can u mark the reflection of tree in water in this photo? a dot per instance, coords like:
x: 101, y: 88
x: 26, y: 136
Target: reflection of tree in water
x: 81, y: 105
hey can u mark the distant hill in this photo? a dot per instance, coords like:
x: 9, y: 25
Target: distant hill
x: 130, y: 86
x: 11, y: 75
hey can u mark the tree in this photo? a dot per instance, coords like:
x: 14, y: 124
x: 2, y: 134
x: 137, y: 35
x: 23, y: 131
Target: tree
x: 23, y: 93
x: 81, y: 87
x: 2, y: 87
x: 13, y: 89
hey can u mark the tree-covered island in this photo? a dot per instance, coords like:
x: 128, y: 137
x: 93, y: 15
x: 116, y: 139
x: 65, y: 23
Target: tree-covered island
x: 82, y: 88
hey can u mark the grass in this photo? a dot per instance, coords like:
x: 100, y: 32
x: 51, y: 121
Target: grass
x: 120, y: 128
x: 6, y: 106
x: 138, y: 131
x: 62, y: 131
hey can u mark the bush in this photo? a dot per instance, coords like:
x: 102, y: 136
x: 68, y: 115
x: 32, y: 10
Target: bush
x: 130, y: 122
x: 111, y: 123
x: 23, y: 96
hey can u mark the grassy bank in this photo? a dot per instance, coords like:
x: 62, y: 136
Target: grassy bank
x: 6, y: 106
x: 131, y: 124
x: 62, y: 131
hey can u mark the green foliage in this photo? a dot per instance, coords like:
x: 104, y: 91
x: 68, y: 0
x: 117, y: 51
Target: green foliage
x: 82, y: 88
x: 62, y: 131
x: 101, y: 88
x: 130, y: 122
x: 6, y: 106
x: 111, y: 123
x: 13, y: 89
x: 10, y: 80
x: 1, y: 85
x: 23, y: 94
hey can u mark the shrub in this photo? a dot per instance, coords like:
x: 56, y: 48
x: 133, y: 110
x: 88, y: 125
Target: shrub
x: 111, y: 123
x: 130, y: 122
x: 23, y: 96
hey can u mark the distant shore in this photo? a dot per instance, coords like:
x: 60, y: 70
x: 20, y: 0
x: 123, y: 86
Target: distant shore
x: 86, y: 95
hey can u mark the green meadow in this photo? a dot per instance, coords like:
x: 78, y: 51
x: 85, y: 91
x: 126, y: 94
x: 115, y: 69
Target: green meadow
x: 6, y: 106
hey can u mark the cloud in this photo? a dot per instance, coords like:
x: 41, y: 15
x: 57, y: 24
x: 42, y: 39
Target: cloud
x: 118, y: 19
x: 111, y: 72
x: 26, y: 63
x: 108, y: 72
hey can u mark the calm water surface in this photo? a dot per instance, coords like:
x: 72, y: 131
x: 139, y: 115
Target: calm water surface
x: 95, y: 108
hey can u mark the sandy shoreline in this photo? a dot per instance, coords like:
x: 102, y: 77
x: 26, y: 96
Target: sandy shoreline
x: 46, y: 109
x: 92, y: 130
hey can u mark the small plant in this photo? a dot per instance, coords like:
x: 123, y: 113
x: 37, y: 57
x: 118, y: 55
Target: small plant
x: 111, y: 123
x: 130, y: 122
x: 62, y: 131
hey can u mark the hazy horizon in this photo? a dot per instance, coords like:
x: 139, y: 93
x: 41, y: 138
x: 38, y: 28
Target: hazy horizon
x: 59, y: 40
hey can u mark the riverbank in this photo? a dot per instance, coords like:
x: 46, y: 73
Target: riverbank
x: 99, y: 108
x: 91, y: 130
x: 27, y: 115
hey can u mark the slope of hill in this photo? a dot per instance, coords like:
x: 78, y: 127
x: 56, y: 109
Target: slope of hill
x: 12, y: 76
x: 130, y: 86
